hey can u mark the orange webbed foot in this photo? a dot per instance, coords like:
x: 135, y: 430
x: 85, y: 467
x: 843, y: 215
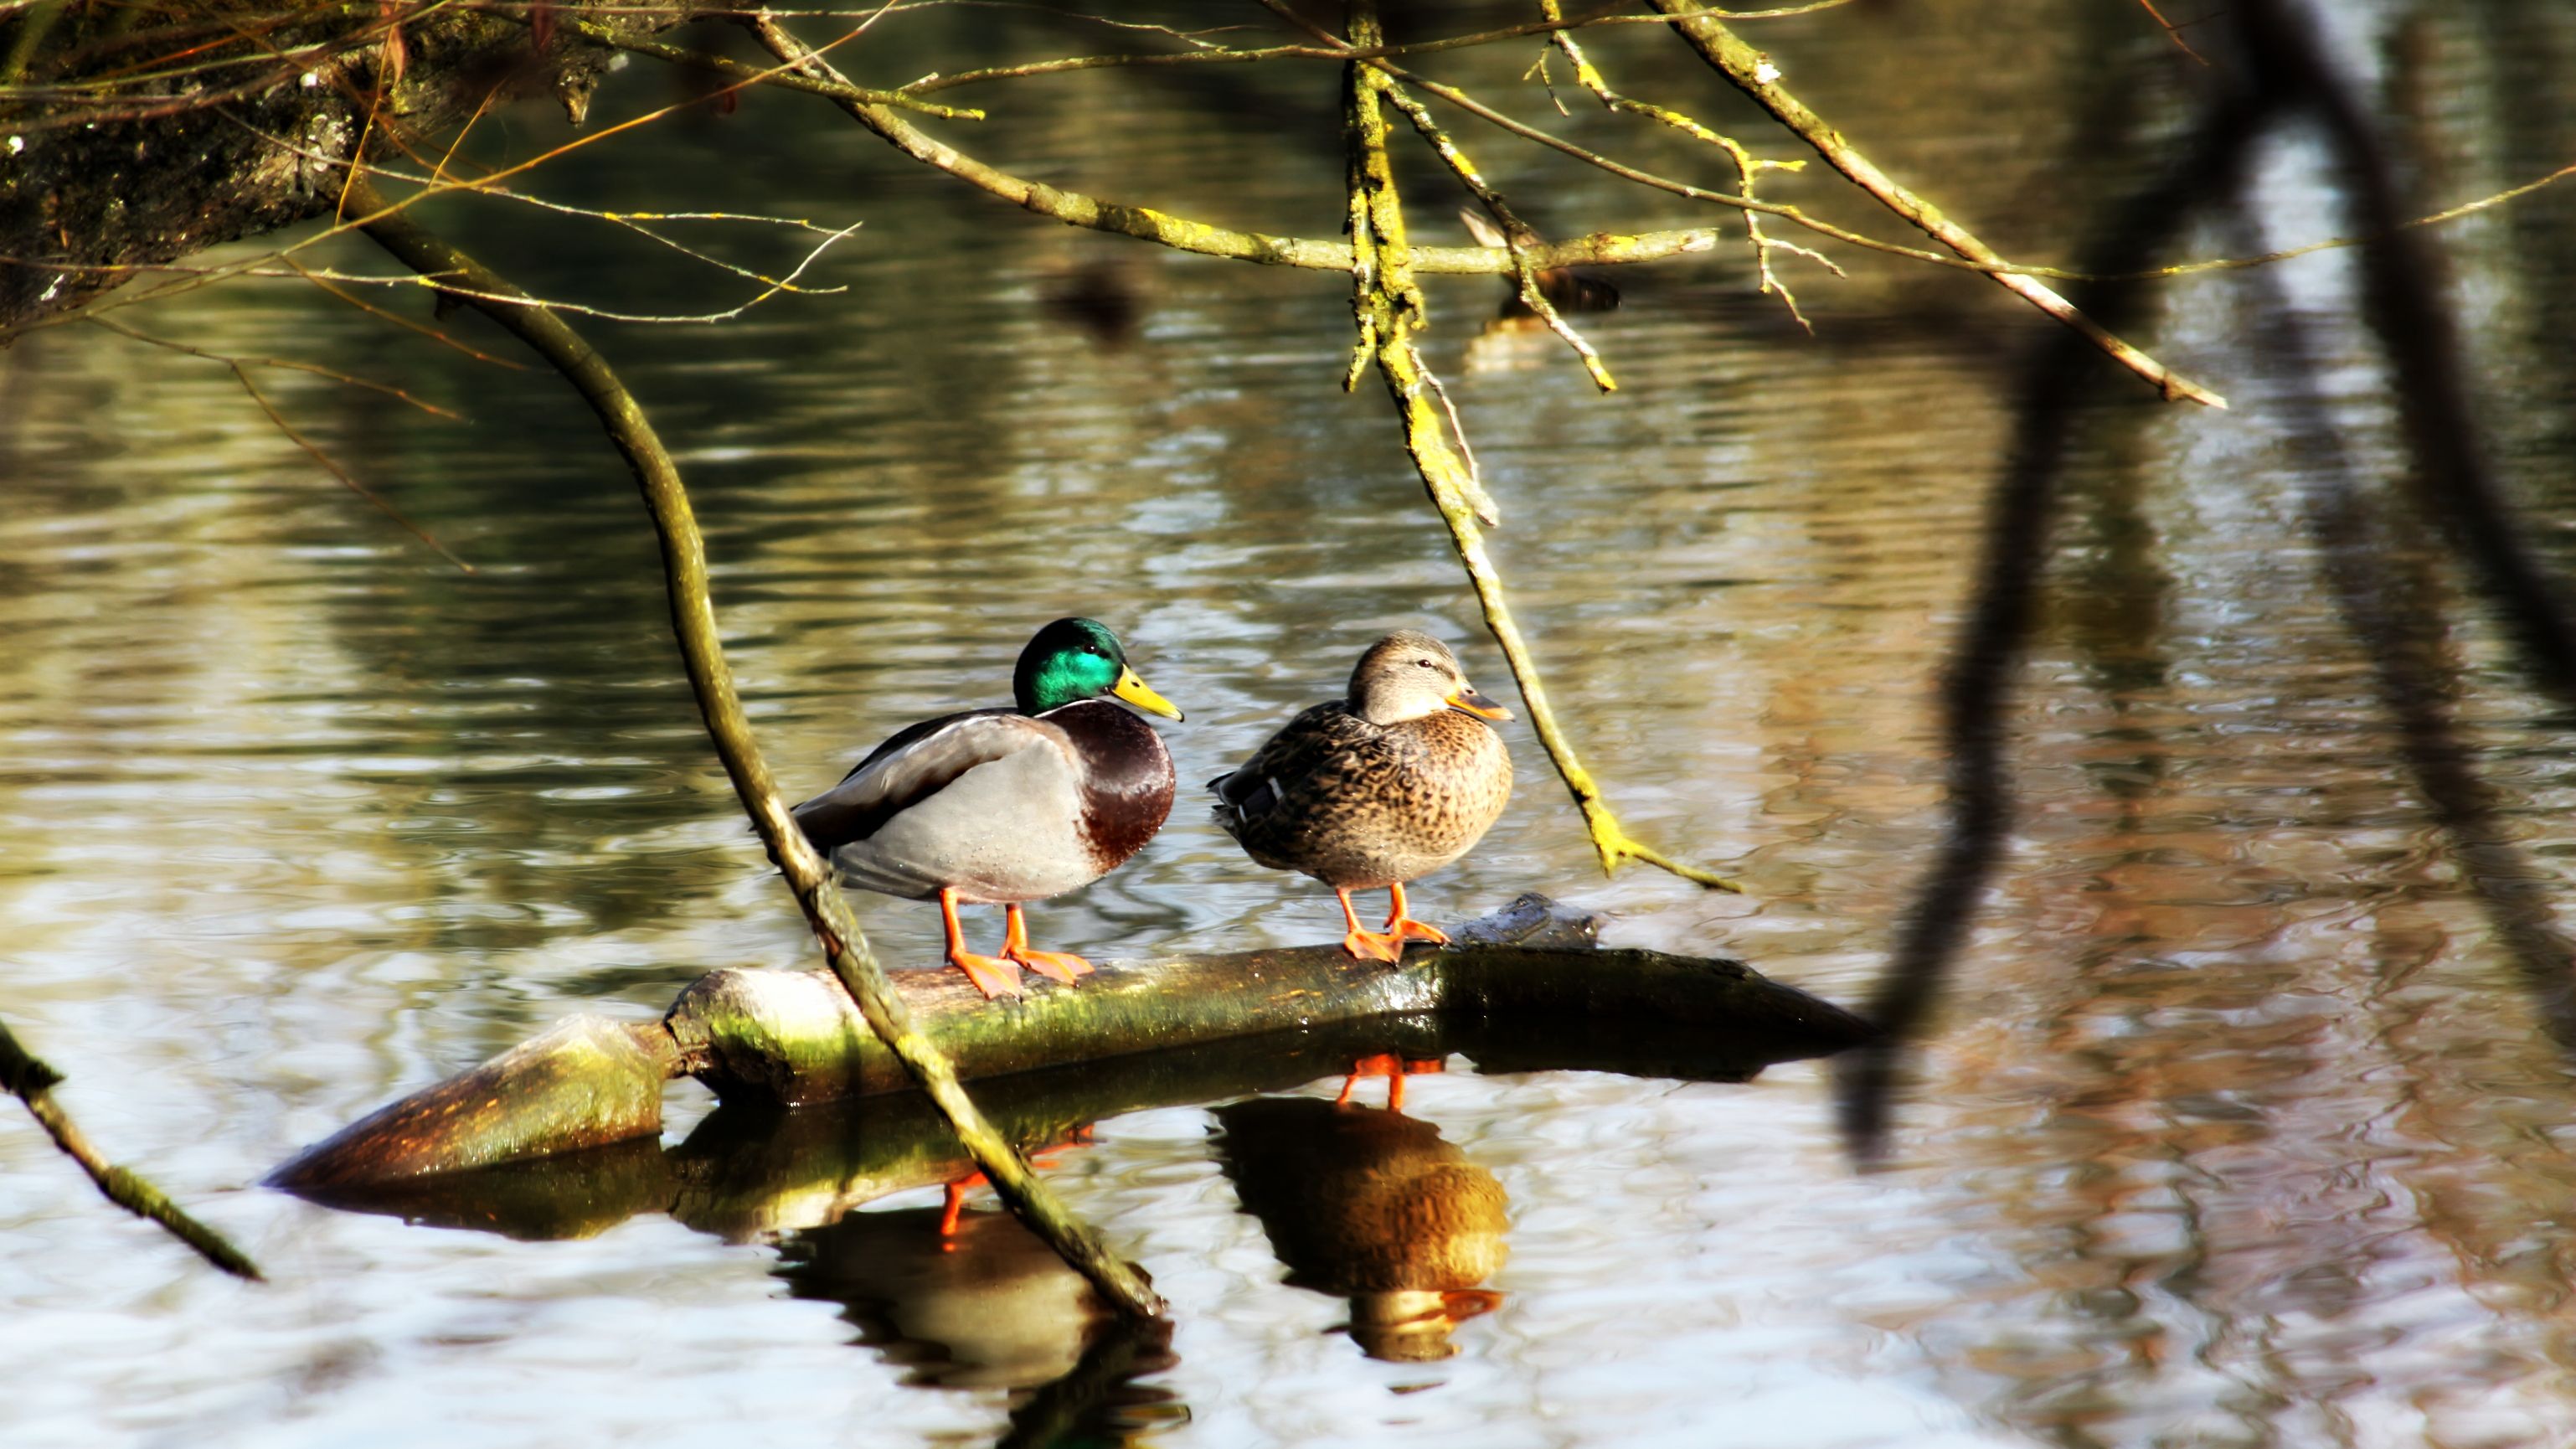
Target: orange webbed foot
x: 1061, y: 966
x: 1405, y: 928
x: 1053, y: 965
x: 991, y: 974
x: 1371, y: 946
x: 1362, y: 943
x: 1402, y: 927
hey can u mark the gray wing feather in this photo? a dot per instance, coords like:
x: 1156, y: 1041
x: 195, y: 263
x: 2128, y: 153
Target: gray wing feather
x: 904, y: 772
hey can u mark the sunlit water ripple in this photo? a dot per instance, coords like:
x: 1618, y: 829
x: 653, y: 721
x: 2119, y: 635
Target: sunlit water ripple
x: 2238, y: 1126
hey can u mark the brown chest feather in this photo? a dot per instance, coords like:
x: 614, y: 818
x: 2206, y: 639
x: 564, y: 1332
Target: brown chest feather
x: 1127, y: 781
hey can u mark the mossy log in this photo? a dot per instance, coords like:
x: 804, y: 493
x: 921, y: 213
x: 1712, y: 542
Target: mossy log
x: 1531, y: 979
x: 754, y: 1170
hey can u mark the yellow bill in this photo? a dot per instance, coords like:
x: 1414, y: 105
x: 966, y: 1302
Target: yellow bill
x: 1140, y: 694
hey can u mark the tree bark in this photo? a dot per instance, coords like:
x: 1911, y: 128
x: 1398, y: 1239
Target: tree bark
x: 102, y: 177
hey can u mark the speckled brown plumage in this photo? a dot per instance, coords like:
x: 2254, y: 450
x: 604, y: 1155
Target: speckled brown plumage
x: 1364, y: 805
x: 1389, y: 783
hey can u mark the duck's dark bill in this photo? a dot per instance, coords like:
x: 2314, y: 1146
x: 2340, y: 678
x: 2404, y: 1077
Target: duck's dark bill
x: 1476, y: 704
x: 1140, y: 694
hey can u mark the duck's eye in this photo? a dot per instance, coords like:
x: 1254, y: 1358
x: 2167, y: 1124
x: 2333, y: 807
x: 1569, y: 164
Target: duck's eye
x: 1428, y: 663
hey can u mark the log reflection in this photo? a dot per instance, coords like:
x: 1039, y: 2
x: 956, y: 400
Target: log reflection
x: 1373, y: 1206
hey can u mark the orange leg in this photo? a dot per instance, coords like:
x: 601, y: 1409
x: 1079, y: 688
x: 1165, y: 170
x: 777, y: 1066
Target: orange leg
x: 1392, y: 1067
x: 1362, y: 943
x: 1404, y: 928
x: 953, y: 1204
x: 1053, y: 965
x: 991, y: 974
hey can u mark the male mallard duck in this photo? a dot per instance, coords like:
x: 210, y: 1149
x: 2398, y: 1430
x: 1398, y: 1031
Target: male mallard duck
x: 1377, y: 789
x: 1000, y: 806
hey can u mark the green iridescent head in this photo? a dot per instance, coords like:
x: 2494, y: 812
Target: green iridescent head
x: 1072, y: 660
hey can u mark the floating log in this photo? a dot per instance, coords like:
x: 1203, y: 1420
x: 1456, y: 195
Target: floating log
x: 583, y: 1082
x: 1531, y: 979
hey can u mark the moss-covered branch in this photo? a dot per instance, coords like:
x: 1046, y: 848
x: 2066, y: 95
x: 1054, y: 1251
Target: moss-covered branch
x: 1526, y: 986
x: 31, y: 1081
x: 1753, y: 73
x: 1388, y: 309
x: 1180, y: 233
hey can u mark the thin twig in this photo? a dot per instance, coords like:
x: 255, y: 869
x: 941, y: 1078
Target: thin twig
x: 399, y: 320
x: 1477, y: 498
x: 2174, y: 31
x: 191, y: 280
x: 31, y: 1081
x: 286, y: 363
x: 1753, y: 73
x: 598, y: 34
x: 1517, y: 235
x: 1224, y: 56
x: 347, y: 480
x: 1746, y: 166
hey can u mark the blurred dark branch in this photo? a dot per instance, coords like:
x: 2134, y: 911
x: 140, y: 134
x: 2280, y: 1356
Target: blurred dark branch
x: 1977, y: 681
x: 2401, y: 299
x: 31, y: 1081
x: 2395, y: 617
x: 2383, y: 587
x: 2284, y: 74
x: 711, y: 678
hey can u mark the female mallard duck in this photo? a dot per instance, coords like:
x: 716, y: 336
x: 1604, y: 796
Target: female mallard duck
x: 1000, y: 806
x: 1383, y: 787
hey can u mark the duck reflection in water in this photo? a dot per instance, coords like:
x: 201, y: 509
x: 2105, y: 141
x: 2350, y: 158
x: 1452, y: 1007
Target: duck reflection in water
x: 981, y: 1303
x: 1392, y: 1067
x: 1373, y: 1206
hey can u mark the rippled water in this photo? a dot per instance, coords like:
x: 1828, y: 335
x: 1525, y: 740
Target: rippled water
x: 2238, y: 1124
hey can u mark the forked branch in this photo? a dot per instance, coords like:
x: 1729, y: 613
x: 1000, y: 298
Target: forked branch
x: 1386, y: 305
x: 1753, y: 73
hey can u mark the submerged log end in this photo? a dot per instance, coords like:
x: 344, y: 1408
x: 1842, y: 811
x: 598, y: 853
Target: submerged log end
x: 584, y: 1082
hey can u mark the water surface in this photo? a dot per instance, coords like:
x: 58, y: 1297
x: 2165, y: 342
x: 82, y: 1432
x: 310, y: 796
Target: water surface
x: 2239, y: 1124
